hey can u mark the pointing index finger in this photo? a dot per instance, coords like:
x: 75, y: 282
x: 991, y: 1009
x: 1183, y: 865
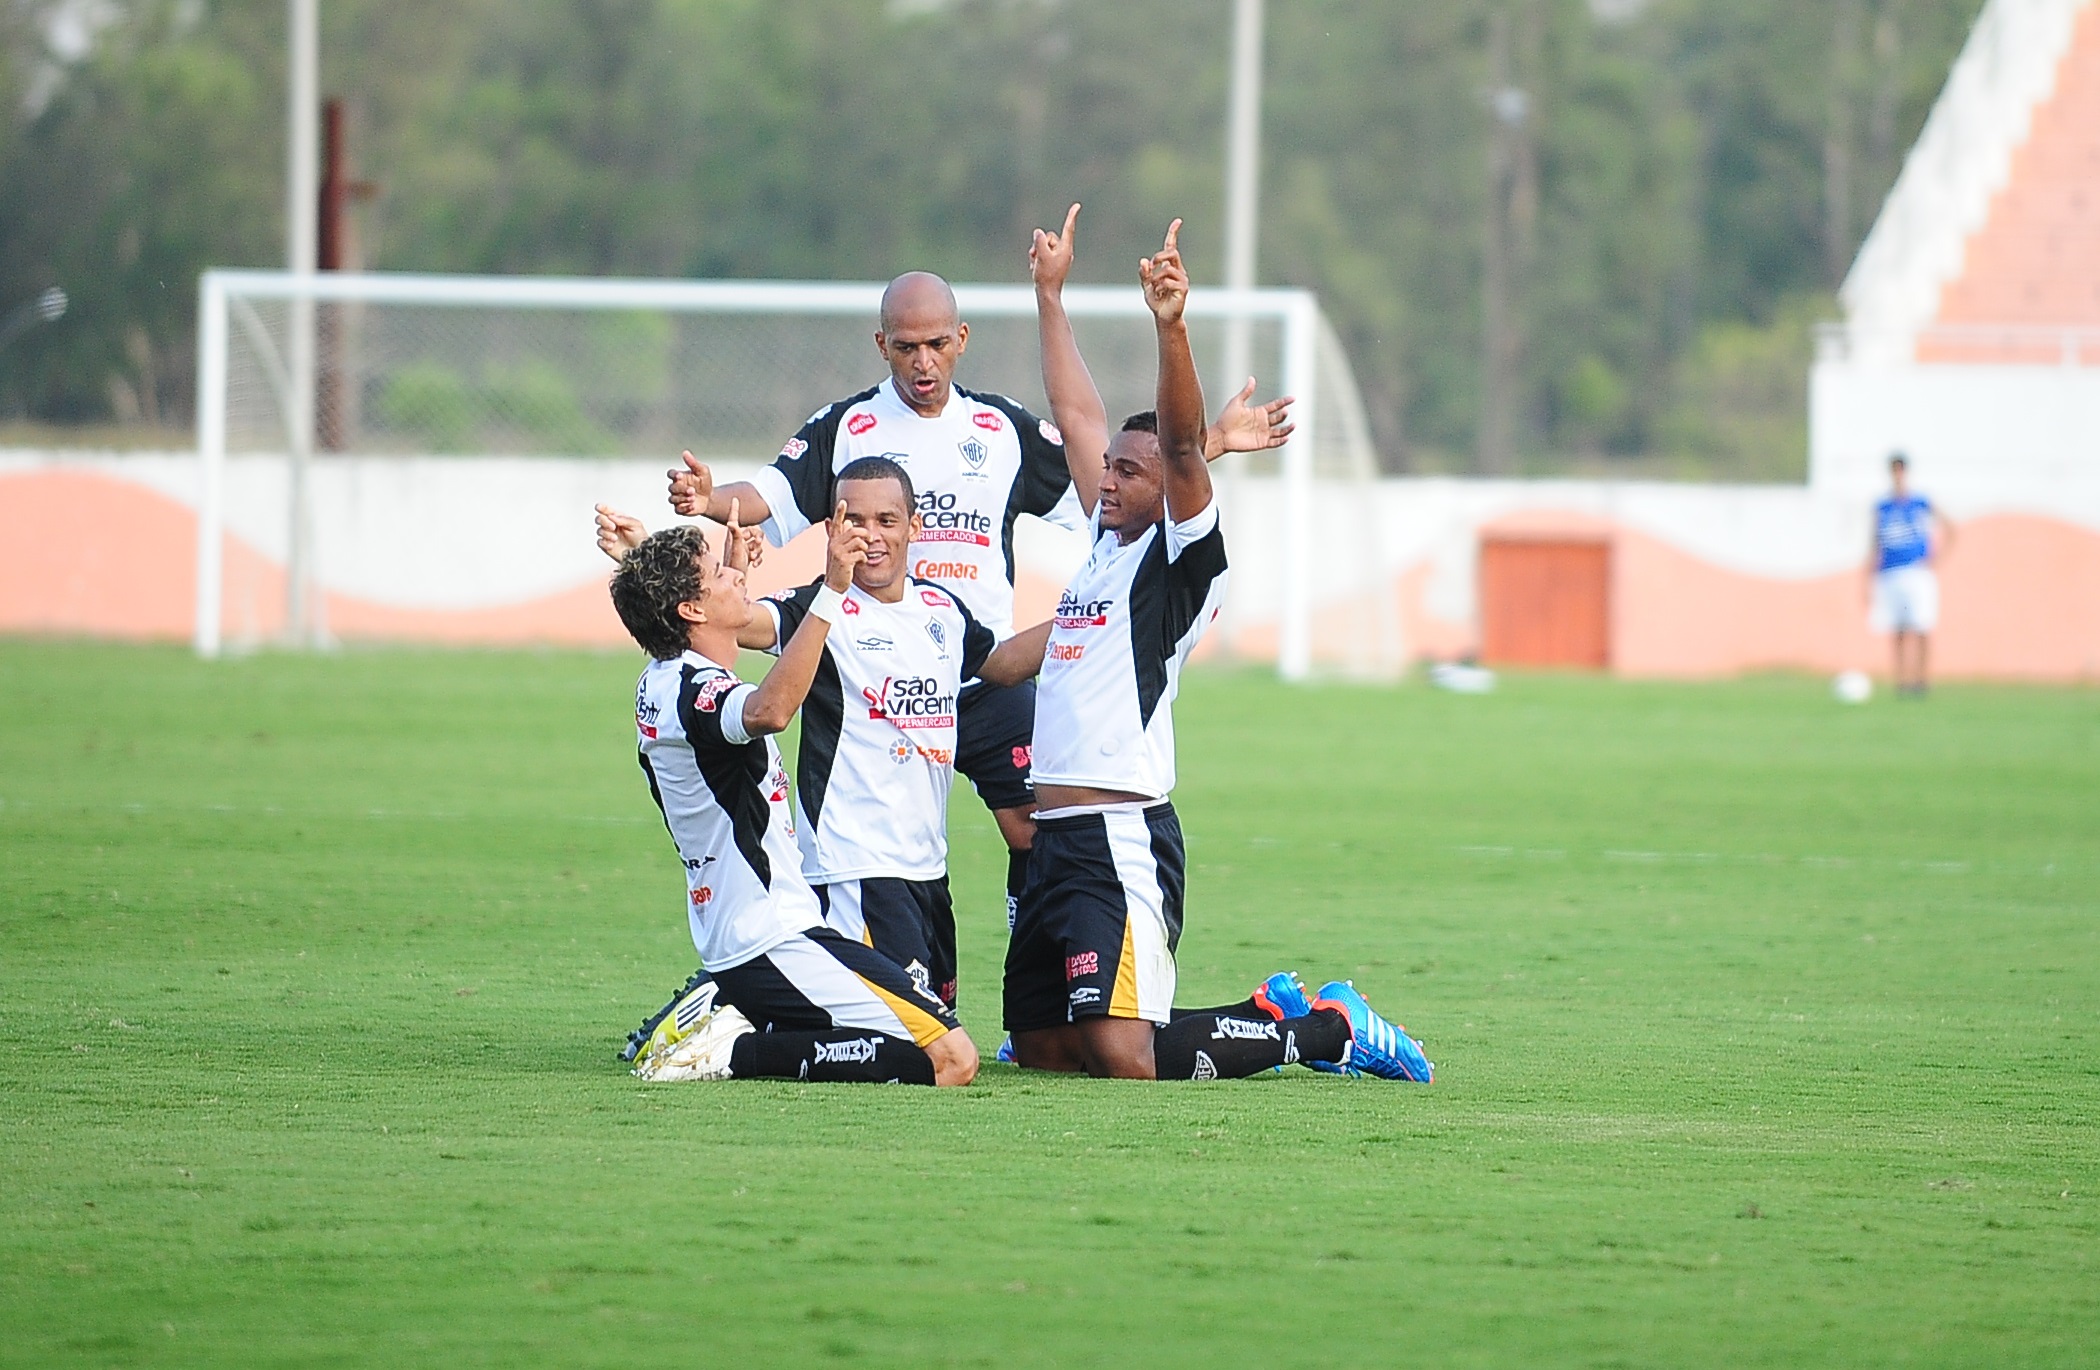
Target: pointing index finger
x: 1173, y: 237
x: 1071, y: 221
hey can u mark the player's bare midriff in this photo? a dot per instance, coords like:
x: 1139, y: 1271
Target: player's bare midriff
x: 1073, y: 796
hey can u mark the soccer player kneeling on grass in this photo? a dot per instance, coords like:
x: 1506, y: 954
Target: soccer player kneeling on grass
x: 879, y: 728
x: 1090, y: 971
x: 790, y: 997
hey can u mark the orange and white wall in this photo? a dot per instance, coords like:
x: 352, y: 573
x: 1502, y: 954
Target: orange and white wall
x: 1705, y: 580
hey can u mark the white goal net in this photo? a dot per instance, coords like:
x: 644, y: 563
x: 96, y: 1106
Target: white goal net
x: 317, y: 394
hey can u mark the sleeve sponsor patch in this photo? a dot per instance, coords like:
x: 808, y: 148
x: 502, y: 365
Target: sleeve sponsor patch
x: 709, y: 696
x: 1050, y: 433
x: 795, y: 448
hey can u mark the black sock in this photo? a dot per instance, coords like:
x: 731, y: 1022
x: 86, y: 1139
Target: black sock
x: 1245, y: 1008
x: 1217, y: 1046
x: 1016, y: 877
x: 842, y: 1055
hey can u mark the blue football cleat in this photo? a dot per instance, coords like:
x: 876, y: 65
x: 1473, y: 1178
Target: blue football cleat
x: 1006, y: 1051
x: 1376, y: 1047
x: 1283, y: 996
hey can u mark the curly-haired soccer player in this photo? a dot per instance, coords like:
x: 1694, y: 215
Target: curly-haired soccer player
x: 791, y: 998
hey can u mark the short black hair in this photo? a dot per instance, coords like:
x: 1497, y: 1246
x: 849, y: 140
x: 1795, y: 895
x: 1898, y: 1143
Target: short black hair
x: 874, y: 468
x: 1144, y: 421
x: 652, y: 581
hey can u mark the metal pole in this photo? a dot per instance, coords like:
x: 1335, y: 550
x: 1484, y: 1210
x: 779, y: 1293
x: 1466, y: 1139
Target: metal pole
x: 211, y: 462
x: 1242, y: 237
x: 302, y: 228
x: 1301, y: 360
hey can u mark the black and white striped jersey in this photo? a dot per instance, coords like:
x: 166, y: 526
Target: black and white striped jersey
x: 978, y: 466
x: 724, y: 796
x: 1104, y: 715
x: 878, y: 731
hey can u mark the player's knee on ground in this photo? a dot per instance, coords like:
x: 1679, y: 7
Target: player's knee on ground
x: 1118, y: 1048
x: 954, y: 1058
x: 1055, y: 1048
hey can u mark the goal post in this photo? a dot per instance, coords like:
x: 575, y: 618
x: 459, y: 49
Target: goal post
x: 413, y: 365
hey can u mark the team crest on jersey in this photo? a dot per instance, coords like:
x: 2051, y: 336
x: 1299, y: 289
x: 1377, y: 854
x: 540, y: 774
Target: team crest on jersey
x: 975, y: 453
x: 939, y: 635
x: 859, y: 424
x: 989, y: 420
x: 900, y: 751
x: 795, y: 448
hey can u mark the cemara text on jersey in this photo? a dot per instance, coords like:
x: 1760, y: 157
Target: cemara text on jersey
x: 979, y: 464
x: 1104, y: 704
x: 878, y: 731
x: 724, y: 796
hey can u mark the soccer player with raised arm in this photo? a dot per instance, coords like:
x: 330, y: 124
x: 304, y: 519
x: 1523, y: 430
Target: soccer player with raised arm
x: 877, y: 756
x: 977, y: 462
x: 1090, y: 969
x: 790, y: 998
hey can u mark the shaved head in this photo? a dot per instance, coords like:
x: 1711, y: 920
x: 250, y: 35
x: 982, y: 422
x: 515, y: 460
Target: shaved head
x: 922, y: 337
x: 918, y: 299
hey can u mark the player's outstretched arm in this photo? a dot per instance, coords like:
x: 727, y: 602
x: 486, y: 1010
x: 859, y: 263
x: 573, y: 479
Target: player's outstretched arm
x: 1242, y: 426
x: 693, y: 494
x: 1018, y: 658
x: 1180, y: 403
x: 770, y: 707
x: 1075, y: 402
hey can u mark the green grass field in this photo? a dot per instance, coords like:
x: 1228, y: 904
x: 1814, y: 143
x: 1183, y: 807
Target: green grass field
x: 1768, y: 1033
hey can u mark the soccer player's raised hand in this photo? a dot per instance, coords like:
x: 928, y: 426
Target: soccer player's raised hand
x: 618, y: 533
x: 1050, y: 255
x: 848, y: 548
x: 1244, y: 427
x: 1166, y: 283
x: 691, y: 487
x: 742, y: 548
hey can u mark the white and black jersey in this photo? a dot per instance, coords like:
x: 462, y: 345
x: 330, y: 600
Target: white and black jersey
x: 878, y: 731
x: 976, y: 467
x: 1124, y: 628
x: 724, y: 796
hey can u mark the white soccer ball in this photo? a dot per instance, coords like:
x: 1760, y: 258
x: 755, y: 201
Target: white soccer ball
x: 1852, y: 687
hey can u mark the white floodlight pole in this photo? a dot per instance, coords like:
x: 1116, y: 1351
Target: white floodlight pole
x: 211, y: 462
x: 302, y: 247
x: 1301, y: 361
x: 1242, y: 234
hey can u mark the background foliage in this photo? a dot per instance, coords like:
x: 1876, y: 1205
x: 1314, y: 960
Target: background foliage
x: 1695, y: 175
